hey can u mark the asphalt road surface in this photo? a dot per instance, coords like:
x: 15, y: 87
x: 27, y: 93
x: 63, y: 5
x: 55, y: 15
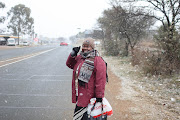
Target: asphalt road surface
x: 35, y: 84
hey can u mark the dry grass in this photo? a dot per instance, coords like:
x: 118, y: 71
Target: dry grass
x: 150, y: 44
x: 159, y: 96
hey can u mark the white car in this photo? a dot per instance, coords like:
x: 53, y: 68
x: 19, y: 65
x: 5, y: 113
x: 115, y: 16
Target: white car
x: 11, y: 42
x: 25, y: 44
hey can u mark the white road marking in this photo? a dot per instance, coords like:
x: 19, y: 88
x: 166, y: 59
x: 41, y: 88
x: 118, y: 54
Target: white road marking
x: 43, y: 75
x: 12, y: 59
x: 33, y: 55
x: 49, y: 76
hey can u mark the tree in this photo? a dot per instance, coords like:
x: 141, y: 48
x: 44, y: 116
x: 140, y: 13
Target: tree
x: 2, y: 18
x: 171, y: 13
x: 20, y: 21
x: 97, y: 34
x: 169, y: 39
x: 126, y: 26
x: 171, y: 54
x: 168, y: 14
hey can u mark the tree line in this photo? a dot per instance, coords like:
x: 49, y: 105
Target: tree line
x: 19, y: 19
x: 127, y: 22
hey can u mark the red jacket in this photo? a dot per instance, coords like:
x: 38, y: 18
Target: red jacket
x: 95, y: 87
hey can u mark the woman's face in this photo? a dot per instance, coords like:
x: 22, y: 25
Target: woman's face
x: 86, y: 48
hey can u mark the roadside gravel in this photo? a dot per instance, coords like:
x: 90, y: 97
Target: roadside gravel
x: 2, y: 47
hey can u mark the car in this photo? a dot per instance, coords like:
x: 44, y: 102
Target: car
x: 63, y: 44
x: 11, y: 42
x: 25, y: 44
x: 2, y: 41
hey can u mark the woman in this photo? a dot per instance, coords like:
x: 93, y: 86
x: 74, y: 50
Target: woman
x: 89, y: 77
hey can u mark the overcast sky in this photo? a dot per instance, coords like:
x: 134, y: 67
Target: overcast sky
x: 62, y: 18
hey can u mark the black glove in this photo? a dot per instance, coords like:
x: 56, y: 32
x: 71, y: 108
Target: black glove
x: 75, y: 50
x: 98, y: 99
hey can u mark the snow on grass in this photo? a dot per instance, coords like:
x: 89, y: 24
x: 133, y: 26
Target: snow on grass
x: 162, y: 92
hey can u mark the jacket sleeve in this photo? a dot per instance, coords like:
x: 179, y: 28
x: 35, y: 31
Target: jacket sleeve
x: 71, y: 61
x: 100, y: 78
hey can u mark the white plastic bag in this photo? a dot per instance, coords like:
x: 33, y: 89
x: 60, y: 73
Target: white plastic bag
x: 97, y: 111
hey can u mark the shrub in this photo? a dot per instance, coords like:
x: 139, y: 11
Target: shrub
x: 155, y: 62
x: 111, y: 48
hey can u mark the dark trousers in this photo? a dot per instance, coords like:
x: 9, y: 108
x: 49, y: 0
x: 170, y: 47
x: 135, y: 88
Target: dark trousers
x: 77, y: 108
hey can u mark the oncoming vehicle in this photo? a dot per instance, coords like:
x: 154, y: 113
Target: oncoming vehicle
x: 63, y: 44
x: 11, y: 42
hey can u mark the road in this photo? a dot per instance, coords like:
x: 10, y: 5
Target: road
x: 35, y: 84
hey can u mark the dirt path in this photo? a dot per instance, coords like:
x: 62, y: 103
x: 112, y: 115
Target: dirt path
x: 120, y: 107
x: 129, y: 103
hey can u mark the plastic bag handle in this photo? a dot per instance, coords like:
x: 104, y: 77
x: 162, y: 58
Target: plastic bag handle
x: 101, y: 109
